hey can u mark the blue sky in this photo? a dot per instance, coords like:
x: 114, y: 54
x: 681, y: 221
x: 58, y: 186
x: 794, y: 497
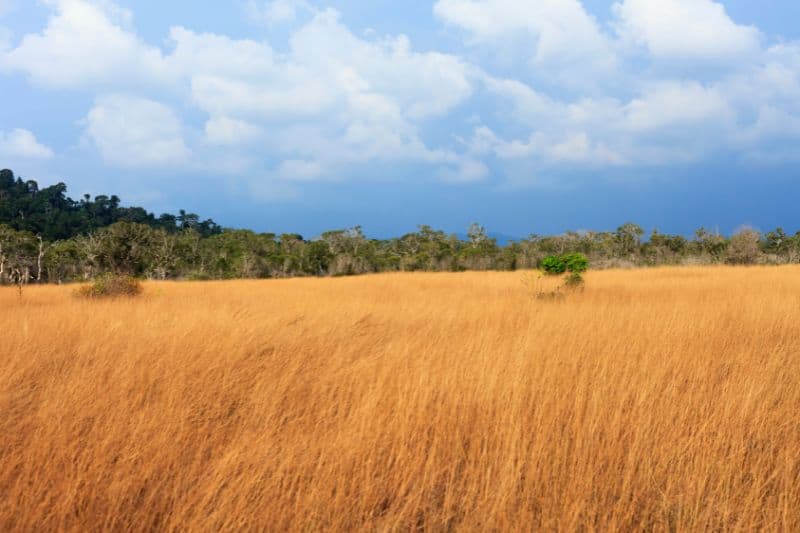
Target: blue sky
x: 529, y: 116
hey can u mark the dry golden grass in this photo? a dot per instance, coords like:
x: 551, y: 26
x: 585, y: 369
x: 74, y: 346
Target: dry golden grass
x: 664, y: 399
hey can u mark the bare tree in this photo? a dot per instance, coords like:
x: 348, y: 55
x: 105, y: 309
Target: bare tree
x: 39, y: 259
x: 744, y: 247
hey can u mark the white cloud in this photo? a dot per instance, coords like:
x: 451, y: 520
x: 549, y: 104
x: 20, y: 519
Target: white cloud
x: 228, y: 131
x: 333, y: 98
x: 208, y: 54
x: 422, y: 84
x: 363, y: 99
x: 85, y: 44
x: 548, y: 149
x: 677, y: 104
x: 19, y: 143
x: 665, y: 122
x: 136, y: 132
x: 685, y: 29
x: 330, y: 103
x: 558, y: 35
x: 277, y: 11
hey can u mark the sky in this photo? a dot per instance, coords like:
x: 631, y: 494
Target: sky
x: 528, y: 116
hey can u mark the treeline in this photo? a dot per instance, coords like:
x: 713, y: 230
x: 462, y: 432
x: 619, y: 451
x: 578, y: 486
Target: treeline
x: 52, y: 215
x: 69, y: 242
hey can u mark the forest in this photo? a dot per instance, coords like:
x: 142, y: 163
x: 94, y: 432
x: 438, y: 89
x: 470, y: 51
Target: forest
x: 47, y: 237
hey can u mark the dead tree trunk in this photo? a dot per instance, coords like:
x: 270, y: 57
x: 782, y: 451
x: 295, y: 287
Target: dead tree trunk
x: 39, y: 260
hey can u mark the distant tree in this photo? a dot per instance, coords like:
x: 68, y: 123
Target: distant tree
x: 477, y: 235
x: 127, y: 248
x: 628, y: 238
x: 710, y: 244
x: 744, y: 248
x: 662, y: 248
x: 19, y: 253
x: 317, y: 258
x: 777, y: 242
x: 64, y: 261
x: 481, y: 250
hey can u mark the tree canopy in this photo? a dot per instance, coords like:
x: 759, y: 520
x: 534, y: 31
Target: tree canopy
x: 51, y: 214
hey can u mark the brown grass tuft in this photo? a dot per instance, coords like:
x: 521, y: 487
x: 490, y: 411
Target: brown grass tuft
x: 664, y: 399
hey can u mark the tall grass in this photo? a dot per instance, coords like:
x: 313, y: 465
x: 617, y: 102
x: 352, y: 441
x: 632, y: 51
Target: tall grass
x: 664, y: 399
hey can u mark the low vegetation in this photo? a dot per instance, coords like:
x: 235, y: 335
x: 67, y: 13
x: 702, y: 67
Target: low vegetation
x: 47, y: 237
x: 111, y: 286
x: 658, y: 399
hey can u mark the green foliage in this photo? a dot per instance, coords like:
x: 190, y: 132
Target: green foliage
x: 711, y: 244
x: 576, y: 263
x: 111, y: 286
x: 50, y: 213
x: 553, y: 266
x: 628, y: 238
x: 556, y: 265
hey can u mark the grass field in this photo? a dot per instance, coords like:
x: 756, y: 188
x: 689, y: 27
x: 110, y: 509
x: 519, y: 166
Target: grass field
x: 665, y: 399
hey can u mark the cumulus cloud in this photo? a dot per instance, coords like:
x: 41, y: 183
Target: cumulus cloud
x: 685, y: 29
x: 86, y: 44
x: 19, y: 143
x: 333, y: 97
x: 554, y: 34
x: 136, y: 132
x: 676, y: 104
x: 329, y: 102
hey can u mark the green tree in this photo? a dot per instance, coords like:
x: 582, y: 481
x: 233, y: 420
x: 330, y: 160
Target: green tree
x: 710, y: 244
x: 126, y: 248
x: 628, y: 239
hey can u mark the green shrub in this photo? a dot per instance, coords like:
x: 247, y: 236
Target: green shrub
x: 575, y: 263
x: 557, y: 265
x: 553, y: 266
x: 111, y: 286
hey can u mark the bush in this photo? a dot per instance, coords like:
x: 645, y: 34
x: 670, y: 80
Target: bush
x: 575, y: 263
x: 111, y: 286
x: 557, y: 265
x: 744, y: 247
x: 553, y: 266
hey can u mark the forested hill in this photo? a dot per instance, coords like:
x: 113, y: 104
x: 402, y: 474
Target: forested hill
x: 53, y: 215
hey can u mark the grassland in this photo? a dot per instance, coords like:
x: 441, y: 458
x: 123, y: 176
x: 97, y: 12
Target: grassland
x: 664, y: 399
